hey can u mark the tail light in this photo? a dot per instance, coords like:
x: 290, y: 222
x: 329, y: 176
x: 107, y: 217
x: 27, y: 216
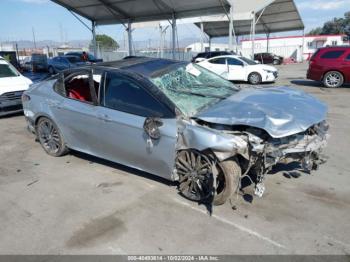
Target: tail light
x: 25, y: 97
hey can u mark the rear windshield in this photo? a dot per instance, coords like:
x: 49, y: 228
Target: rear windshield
x: 333, y: 54
x: 7, y: 71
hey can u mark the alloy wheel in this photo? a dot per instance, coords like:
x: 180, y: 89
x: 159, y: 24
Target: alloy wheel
x: 49, y: 137
x: 333, y: 79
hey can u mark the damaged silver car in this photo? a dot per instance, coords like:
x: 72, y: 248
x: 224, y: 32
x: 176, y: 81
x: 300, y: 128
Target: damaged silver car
x: 178, y: 121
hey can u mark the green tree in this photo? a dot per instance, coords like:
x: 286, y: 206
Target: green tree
x: 334, y: 26
x: 315, y: 31
x: 106, y: 42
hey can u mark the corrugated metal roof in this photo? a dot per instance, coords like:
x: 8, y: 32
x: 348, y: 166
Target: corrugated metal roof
x: 277, y: 16
x: 105, y: 12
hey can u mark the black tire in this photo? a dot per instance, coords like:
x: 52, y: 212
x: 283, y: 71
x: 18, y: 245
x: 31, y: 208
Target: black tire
x: 50, y: 137
x: 333, y: 79
x: 232, y: 173
x: 254, y: 78
x: 196, y: 177
x: 276, y: 62
x: 51, y: 70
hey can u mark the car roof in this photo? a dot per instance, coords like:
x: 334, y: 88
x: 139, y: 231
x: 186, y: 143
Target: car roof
x: 145, y: 66
x: 224, y: 56
x: 335, y: 47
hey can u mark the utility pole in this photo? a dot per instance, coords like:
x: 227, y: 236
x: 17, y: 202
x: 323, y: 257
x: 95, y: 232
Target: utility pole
x: 34, y: 37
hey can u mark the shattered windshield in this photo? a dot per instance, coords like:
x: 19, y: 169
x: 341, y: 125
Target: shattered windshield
x: 192, y: 88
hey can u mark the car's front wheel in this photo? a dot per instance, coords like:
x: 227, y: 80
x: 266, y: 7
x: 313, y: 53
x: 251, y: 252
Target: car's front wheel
x: 333, y: 79
x: 50, y: 137
x: 276, y: 62
x: 254, y: 78
x: 201, y: 178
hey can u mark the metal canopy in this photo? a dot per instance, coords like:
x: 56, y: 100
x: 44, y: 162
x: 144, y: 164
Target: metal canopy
x: 271, y: 17
x: 104, y: 12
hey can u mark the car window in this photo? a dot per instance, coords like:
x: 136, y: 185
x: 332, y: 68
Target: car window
x: 76, y: 86
x: 233, y: 61
x: 6, y: 70
x: 125, y: 95
x: 348, y: 57
x: 332, y: 54
x: 218, y: 61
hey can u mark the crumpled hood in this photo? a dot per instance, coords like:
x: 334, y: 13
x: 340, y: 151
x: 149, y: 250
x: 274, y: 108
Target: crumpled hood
x: 12, y: 84
x: 281, y: 111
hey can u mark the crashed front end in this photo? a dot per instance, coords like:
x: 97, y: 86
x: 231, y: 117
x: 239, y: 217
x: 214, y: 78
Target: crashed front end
x: 305, y: 148
x: 256, y: 150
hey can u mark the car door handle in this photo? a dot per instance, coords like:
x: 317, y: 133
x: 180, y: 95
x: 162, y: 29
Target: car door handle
x: 103, y: 117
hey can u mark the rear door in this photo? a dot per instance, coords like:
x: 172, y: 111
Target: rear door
x: 125, y: 106
x: 217, y: 65
x: 77, y: 119
x: 237, y: 70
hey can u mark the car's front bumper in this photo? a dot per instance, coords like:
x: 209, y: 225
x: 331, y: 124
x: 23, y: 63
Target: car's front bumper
x: 11, y: 103
x: 270, y: 77
x: 298, y: 147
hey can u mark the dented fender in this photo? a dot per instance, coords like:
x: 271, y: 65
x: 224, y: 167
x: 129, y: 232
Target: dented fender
x: 201, y: 138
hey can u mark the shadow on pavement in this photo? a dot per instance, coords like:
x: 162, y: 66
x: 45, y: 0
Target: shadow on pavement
x: 93, y: 159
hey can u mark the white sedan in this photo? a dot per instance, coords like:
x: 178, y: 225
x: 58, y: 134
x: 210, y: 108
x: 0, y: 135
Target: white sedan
x: 12, y: 85
x: 239, y: 68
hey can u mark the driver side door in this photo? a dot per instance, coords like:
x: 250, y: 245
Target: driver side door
x: 124, y: 107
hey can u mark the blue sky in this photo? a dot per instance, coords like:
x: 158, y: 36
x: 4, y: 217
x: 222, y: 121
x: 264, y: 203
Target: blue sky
x: 19, y: 16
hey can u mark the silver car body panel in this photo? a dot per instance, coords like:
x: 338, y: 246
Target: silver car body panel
x: 105, y: 133
x: 279, y: 111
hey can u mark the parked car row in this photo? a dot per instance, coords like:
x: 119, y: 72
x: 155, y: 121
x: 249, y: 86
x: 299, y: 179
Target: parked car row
x: 40, y: 62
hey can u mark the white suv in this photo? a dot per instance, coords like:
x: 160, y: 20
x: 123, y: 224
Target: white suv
x: 12, y: 85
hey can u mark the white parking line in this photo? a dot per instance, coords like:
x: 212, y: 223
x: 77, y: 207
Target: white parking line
x: 240, y: 227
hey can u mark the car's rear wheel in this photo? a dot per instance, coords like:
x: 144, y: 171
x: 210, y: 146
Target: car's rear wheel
x: 276, y: 62
x: 197, y: 173
x: 333, y: 79
x: 50, y: 137
x: 254, y: 78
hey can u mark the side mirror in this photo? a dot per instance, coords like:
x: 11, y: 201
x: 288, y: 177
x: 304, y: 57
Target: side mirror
x: 151, y: 127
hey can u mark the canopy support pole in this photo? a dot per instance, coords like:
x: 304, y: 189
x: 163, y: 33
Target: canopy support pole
x: 173, y: 28
x: 253, y: 35
x: 230, y: 38
x: 94, y: 43
x: 202, y: 37
x: 129, y: 30
x: 302, y: 48
x: 267, y: 42
x: 209, y: 43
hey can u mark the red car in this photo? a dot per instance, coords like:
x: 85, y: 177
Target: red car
x: 331, y: 65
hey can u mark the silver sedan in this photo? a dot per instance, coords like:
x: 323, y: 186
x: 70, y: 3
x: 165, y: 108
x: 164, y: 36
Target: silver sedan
x: 178, y: 121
